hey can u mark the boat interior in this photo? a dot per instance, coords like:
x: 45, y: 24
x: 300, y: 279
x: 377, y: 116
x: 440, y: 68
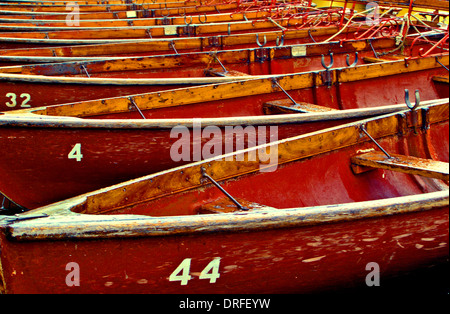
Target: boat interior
x: 403, y: 156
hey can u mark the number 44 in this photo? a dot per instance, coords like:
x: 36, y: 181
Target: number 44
x: 181, y: 273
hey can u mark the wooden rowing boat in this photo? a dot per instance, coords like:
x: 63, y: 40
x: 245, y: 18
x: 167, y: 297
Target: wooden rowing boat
x: 63, y: 83
x: 138, y: 47
x: 136, y: 32
x: 323, y: 87
x: 334, y: 206
x: 131, y: 146
x: 281, y: 59
x: 160, y: 46
x: 174, y: 20
x: 142, y: 11
x: 182, y: 36
x: 97, y: 7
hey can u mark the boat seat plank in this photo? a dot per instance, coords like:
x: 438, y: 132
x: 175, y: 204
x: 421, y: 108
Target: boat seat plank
x: 407, y: 164
x: 386, y: 59
x: 286, y: 106
x: 225, y: 205
x: 441, y: 79
x: 220, y: 73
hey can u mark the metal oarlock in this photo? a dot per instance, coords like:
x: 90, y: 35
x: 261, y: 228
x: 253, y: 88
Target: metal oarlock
x: 190, y: 20
x: 417, y: 99
x: 280, y: 43
x: 258, y: 43
x: 329, y: 66
x: 205, y: 175
x: 200, y: 19
x: 347, y: 60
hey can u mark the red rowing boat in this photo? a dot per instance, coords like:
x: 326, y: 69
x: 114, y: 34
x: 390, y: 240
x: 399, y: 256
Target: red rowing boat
x: 334, y: 209
x: 67, y: 136
x: 53, y: 84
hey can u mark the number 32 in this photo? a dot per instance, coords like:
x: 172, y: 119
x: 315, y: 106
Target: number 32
x: 13, y: 98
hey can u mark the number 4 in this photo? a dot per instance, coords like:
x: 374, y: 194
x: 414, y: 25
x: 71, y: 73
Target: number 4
x: 183, y: 267
x: 211, y: 271
x: 75, y: 153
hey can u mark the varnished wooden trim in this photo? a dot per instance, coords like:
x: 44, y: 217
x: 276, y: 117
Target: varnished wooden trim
x: 125, y: 226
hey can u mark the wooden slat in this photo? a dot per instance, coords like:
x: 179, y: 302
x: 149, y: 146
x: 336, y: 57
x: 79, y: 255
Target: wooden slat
x: 219, y: 73
x: 407, y: 164
x: 441, y: 79
x: 224, y: 205
x: 377, y: 60
x: 286, y: 106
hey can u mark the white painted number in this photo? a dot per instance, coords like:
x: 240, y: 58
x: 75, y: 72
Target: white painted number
x: 184, y: 268
x: 27, y: 99
x: 211, y: 271
x: 13, y: 100
x: 75, y: 153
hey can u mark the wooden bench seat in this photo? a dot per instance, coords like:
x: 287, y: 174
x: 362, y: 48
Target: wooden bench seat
x: 287, y: 106
x: 225, y: 205
x: 406, y: 164
x: 221, y: 73
x: 441, y: 79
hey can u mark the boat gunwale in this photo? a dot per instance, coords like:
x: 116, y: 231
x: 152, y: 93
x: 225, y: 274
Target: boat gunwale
x: 85, y: 226
x: 9, y: 119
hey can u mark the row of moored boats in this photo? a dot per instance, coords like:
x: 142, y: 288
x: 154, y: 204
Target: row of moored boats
x: 221, y: 146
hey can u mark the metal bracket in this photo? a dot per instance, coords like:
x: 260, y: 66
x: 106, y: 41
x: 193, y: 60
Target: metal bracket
x: 172, y: 45
x: 217, y: 59
x: 261, y: 54
x: 136, y: 106
x: 425, y: 118
x: 85, y: 70
x: 326, y: 76
x: 214, y: 41
x: 413, y: 107
x: 188, y: 30
x: 205, y: 175
x: 437, y: 60
x: 362, y: 128
x: 166, y: 21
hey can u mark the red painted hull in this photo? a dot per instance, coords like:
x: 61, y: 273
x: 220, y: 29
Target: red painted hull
x: 299, y: 260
